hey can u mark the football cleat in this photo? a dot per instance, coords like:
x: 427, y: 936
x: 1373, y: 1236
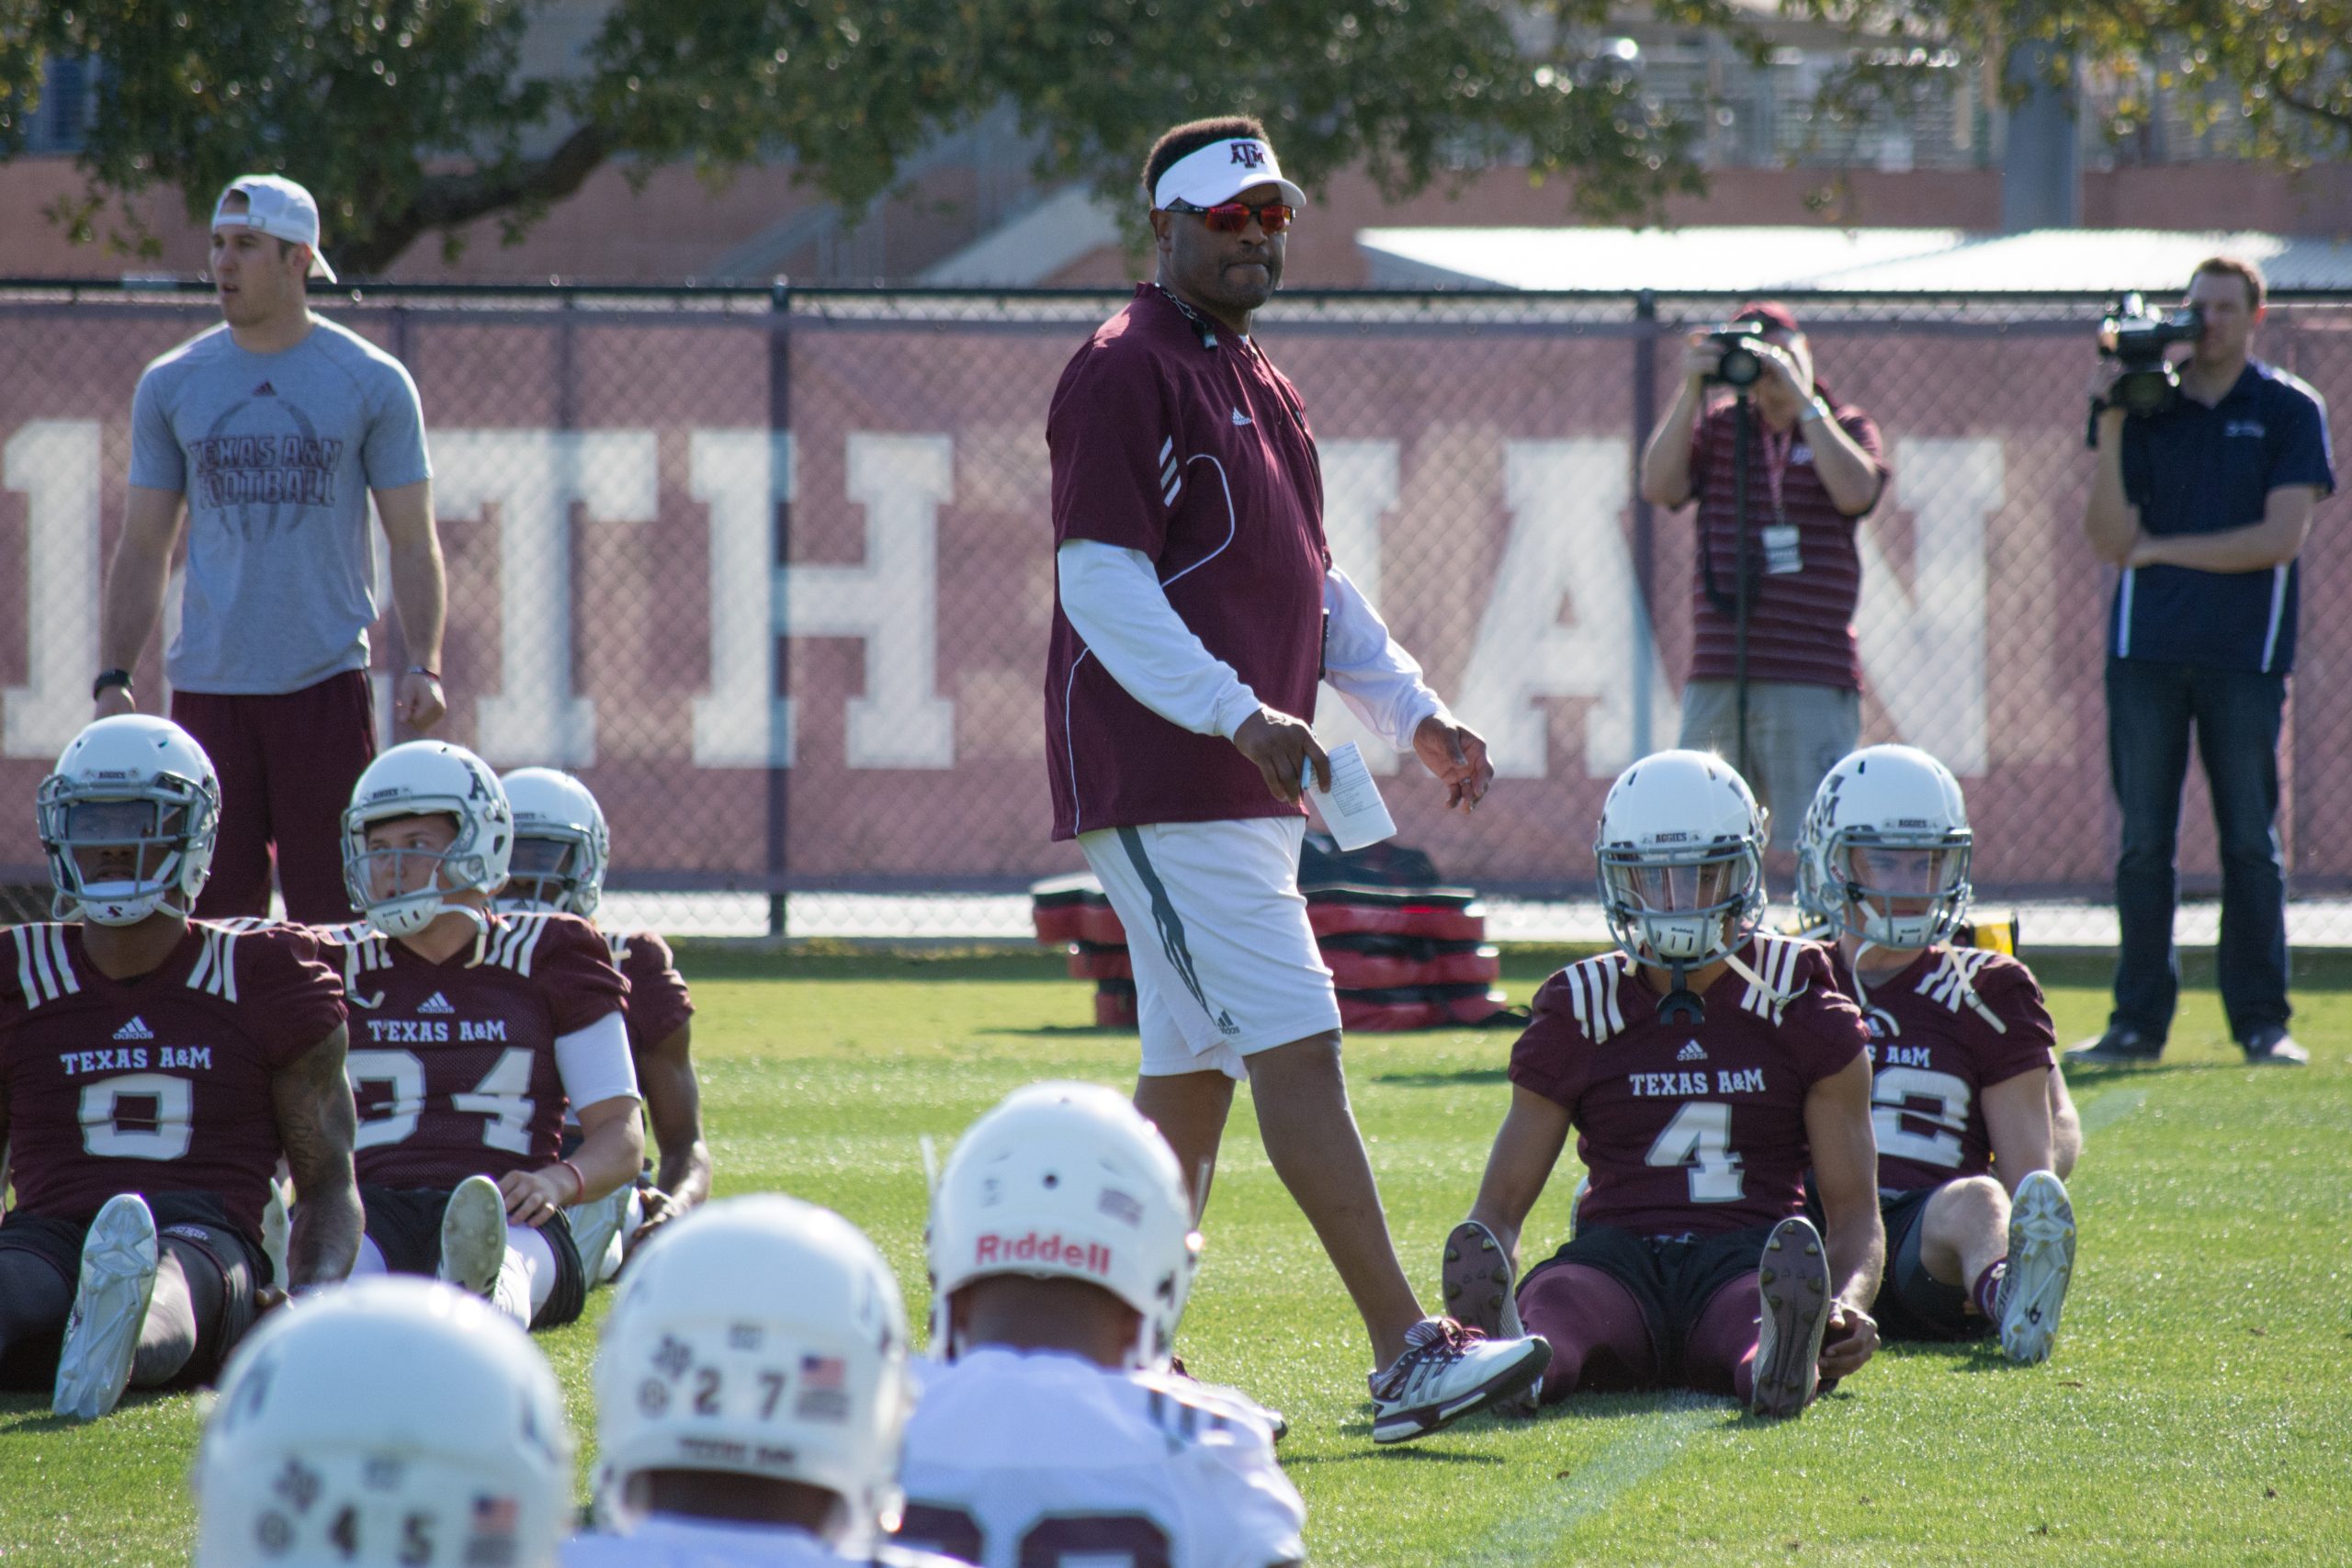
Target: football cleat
x: 1793, y: 1281
x: 1446, y: 1372
x: 119, y: 1255
x: 276, y: 1232
x: 594, y: 1229
x: 473, y: 1235
x: 2041, y: 1262
x: 1478, y: 1282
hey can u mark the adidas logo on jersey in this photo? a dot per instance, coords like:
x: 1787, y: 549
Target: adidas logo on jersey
x: 436, y: 1002
x: 135, y: 1030
x: 1690, y: 1052
x: 1240, y: 419
x: 264, y: 391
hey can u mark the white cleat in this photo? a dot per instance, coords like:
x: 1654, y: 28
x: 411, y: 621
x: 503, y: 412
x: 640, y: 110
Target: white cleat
x: 1793, y: 1281
x: 1446, y: 1372
x: 473, y: 1235
x: 276, y: 1231
x: 2042, y: 1262
x: 595, y: 1227
x: 1478, y: 1282
x: 119, y: 1256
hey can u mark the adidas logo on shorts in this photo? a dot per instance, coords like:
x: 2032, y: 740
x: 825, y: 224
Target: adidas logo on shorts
x: 135, y: 1030
x: 1690, y: 1052
x: 436, y: 1002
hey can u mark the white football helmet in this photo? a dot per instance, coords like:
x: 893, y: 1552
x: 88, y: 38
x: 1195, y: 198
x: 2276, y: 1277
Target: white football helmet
x: 1068, y: 1181
x: 426, y: 778
x: 1903, y: 810
x: 132, y: 783
x: 762, y: 1337
x: 1682, y: 858
x: 392, y: 1420
x: 561, y: 845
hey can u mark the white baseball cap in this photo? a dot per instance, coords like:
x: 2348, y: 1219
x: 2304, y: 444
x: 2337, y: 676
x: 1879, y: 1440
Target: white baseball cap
x: 1221, y: 171
x: 276, y: 206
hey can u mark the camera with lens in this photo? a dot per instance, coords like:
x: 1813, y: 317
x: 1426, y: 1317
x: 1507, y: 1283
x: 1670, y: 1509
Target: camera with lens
x: 1740, y: 365
x: 2135, y: 337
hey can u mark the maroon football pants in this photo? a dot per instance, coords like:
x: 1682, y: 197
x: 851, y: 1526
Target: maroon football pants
x: 286, y: 765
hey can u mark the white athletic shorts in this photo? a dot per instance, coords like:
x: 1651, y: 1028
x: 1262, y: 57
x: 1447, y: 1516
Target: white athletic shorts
x: 1226, y: 963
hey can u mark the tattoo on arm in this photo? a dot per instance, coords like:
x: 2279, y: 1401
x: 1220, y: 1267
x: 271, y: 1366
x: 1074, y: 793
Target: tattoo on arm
x: 316, y: 1124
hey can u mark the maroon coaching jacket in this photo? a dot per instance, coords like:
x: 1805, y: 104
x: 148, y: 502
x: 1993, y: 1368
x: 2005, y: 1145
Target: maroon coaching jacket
x: 1174, y: 437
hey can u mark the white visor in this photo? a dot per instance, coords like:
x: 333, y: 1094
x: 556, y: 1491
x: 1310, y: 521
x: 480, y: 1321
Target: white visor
x: 1221, y: 171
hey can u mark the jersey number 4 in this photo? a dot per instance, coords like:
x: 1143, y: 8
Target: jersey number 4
x: 500, y: 1096
x: 1058, y: 1541
x: 1699, y: 1138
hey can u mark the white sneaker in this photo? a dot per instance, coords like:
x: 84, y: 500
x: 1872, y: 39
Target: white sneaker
x: 2041, y: 1262
x: 473, y: 1235
x: 1478, y: 1282
x: 594, y: 1227
x: 119, y: 1255
x: 276, y: 1231
x: 1446, y: 1372
x: 1793, y: 1280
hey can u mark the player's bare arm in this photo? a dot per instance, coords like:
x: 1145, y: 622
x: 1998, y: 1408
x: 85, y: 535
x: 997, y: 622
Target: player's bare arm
x: 611, y: 1152
x: 2065, y: 1126
x: 135, y: 582
x: 1457, y: 755
x: 1844, y: 1163
x: 420, y: 593
x: 665, y: 1076
x: 2017, y: 1117
x: 1527, y: 1146
x: 1282, y: 747
x: 316, y: 1125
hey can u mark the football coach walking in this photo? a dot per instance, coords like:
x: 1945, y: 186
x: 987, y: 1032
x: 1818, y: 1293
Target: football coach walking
x: 1195, y: 602
x: 274, y: 428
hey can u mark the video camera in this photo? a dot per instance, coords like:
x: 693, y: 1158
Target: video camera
x: 2135, y: 337
x: 1740, y: 365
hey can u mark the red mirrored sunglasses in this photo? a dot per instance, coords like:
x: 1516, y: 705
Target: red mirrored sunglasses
x: 1232, y: 217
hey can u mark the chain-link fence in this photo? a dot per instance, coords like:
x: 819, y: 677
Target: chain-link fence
x: 774, y: 573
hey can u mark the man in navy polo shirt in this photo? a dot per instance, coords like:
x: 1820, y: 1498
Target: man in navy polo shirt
x: 1194, y: 602
x: 2204, y: 506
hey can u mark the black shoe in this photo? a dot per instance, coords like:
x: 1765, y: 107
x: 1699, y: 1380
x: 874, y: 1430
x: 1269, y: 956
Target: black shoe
x: 2118, y: 1046
x: 2274, y: 1047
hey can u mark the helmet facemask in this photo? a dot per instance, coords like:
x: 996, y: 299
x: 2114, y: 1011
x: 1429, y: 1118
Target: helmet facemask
x: 420, y: 879
x: 1685, y: 909
x: 546, y: 871
x: 1897, y: 890
x: 116, y: 855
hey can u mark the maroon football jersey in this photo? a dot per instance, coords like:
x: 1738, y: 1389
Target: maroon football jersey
x: 658, y: 1002
x: 1196, y: 452
x: 1952, y: 1024
x: 1691, y: 1130
x: 453, y: 1064
x: 160, y: 1083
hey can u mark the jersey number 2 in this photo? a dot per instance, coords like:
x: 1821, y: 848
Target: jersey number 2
x: 1096, y: 1540
x: 500, y: 1096
x: 1699, y: 1138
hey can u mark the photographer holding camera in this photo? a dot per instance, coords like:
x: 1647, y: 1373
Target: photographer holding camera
x: 1775, y: 680
x: 2203, y: 502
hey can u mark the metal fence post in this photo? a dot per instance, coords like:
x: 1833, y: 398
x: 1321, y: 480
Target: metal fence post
x: 779, y: 771
x: 1644, y: 389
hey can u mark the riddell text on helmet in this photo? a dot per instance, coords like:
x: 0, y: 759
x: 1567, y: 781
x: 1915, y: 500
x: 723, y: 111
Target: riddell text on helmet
x: 1090, y: 1257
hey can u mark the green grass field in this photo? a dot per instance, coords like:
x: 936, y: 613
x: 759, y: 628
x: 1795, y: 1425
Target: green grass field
x: 2197, y: 1410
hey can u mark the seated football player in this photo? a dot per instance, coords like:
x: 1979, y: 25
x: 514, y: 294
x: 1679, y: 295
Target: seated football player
x: 1704, y: 1066
x: 154, y: 1069
x: 472, y: 1029
x: 391, y: 1423
x: 561, y: 848
x: 752, y: 1387
x: 1980, y: 1235
x: 1062, y: 1250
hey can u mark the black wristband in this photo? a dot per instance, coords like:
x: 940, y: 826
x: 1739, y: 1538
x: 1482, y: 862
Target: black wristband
x: 109, y: 678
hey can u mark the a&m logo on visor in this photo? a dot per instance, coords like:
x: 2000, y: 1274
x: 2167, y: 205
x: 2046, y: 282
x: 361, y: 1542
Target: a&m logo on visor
x: 1248, y: 155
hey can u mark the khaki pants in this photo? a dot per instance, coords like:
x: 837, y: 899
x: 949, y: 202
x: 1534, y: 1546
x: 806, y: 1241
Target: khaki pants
x: 1795, y: 735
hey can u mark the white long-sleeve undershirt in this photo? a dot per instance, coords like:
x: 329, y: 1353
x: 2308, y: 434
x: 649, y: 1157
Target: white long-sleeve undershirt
x: 1112, y: 598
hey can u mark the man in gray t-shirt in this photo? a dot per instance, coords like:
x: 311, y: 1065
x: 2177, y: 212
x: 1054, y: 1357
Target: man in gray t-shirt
x: 273, y: 430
